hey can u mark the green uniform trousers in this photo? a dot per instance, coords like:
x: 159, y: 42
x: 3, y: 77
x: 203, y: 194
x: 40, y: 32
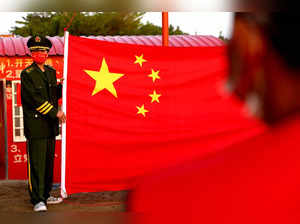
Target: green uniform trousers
x: 40, y: 168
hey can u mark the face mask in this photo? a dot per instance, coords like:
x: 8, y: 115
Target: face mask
x: 39, y: 57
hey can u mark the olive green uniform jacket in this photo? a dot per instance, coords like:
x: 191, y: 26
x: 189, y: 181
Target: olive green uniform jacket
x: 39, y: 95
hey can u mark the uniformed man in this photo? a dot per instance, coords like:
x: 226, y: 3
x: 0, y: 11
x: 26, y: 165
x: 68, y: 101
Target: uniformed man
x: 40, y: 94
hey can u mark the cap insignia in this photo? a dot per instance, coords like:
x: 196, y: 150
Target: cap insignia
x: 37, y: 39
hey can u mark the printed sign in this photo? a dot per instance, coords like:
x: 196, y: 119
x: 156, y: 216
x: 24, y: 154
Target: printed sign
x: 11, y: 67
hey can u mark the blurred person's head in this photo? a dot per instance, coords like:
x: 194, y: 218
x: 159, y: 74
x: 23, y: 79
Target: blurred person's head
x: 264, y: 63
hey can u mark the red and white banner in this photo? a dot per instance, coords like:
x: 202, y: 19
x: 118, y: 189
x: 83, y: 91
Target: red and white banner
x: 132, y: 109
x: 10, y: 70
x: 11, y: 67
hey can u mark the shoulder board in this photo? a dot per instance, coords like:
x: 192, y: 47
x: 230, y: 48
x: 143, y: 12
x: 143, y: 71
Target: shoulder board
x: 29, y: 69
x: 48, y: 66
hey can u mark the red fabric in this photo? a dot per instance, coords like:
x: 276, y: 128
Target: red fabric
x: 2, y: 136
x: 253, y: 182
x: 108, y: 144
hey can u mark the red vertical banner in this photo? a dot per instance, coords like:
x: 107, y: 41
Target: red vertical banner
x: 2, y: 135
x: 19, y: 103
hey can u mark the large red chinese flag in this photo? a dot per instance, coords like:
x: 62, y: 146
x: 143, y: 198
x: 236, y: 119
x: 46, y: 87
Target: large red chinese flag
x: 132, y: 109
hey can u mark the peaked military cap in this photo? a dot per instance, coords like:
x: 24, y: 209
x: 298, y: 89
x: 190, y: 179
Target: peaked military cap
x: 39, y: 43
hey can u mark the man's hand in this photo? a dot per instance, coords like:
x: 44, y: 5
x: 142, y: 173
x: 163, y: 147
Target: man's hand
x: 61, y: 80
x: 61, y: 116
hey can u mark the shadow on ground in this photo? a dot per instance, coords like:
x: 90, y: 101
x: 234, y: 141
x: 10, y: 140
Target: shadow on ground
x: 14, y: 199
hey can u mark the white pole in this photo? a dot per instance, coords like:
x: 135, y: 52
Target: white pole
x: 64, y: 109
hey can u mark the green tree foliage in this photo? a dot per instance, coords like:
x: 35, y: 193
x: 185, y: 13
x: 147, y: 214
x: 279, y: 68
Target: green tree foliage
x: 87, y: 24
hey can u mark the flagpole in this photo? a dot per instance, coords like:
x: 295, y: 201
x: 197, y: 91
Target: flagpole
x: 64, y: 109
x: 165, y: 29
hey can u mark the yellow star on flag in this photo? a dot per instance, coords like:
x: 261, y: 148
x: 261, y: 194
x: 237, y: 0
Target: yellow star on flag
x: 154, y: 75
x: 142, y: 110
x: 104, y: 79
x: 140, y: 60
x: 155, y: 97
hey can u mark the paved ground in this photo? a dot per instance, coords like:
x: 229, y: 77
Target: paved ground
x: 14, y: 199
